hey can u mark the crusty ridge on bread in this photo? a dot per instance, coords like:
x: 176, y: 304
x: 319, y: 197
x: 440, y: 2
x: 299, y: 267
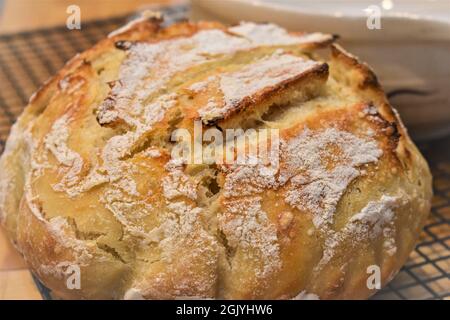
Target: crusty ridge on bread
x: 87, y: 177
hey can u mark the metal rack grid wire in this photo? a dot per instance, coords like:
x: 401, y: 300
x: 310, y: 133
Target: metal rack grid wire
x: 27, y: 59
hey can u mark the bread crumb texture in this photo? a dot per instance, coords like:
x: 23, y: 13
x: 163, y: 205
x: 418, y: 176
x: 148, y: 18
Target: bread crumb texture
x: 87, y: 176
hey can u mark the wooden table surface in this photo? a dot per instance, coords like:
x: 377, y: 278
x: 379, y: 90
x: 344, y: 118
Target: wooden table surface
x: 15, y: 279
x: 24, y: 15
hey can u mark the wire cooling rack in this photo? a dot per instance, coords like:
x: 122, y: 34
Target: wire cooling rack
x: 27, y: 59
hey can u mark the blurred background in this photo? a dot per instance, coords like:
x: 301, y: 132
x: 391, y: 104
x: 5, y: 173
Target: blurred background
x: 409, y: 52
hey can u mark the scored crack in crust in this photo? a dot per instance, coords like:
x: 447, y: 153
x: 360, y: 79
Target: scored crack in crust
x: 87, y: 177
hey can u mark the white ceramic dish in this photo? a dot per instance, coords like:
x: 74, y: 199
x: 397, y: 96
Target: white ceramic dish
x: 410, y: 53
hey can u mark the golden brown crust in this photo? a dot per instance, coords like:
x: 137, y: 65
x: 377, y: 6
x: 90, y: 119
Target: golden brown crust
x: 91, y: 182
x: 317, y: 74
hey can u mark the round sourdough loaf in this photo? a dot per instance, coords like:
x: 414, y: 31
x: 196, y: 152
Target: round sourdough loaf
x: 89, y: 182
